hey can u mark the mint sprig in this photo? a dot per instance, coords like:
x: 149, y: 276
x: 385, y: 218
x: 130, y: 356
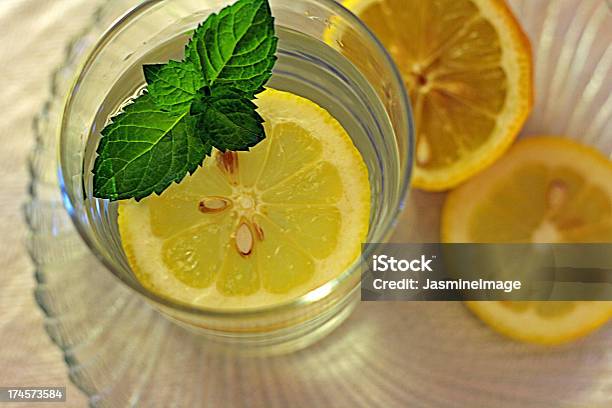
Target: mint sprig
x: 191, y: 106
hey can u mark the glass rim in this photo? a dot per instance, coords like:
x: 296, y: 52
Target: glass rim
x: 313, y: 295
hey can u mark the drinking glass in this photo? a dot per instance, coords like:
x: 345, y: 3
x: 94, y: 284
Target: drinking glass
x: 363, y: 91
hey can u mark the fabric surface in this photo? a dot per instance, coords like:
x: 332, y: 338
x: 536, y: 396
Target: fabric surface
x: 34, y: 34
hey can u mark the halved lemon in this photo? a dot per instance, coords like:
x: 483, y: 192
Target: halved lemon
x: 546, y: 189
x: 256, y: 228
x: 467, y: 66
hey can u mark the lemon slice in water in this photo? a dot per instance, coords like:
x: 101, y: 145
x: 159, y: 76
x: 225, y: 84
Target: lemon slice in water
x: 256, y: 228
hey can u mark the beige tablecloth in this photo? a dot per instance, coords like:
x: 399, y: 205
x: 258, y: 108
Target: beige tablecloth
x: 33, y: 35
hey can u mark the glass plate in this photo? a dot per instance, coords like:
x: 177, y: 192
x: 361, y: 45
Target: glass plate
x: 120, y: 352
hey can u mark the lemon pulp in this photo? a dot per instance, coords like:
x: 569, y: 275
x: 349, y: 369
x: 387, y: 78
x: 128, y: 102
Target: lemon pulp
x: 546, y: 189
x: 256, y: 228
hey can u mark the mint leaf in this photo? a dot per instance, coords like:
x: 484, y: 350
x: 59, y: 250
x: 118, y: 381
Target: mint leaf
x: 236, y: 47
x: 227, y: 119
x: 144, y: 150
x: 173, y: 85
x: 191, y: 106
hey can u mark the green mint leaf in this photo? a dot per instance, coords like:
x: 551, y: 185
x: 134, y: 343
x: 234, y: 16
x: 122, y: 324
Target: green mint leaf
x: 236, y: 47
x: 173, y: 85
x: 191, y: 106
x: 227, y: 118
x: 144, y: 150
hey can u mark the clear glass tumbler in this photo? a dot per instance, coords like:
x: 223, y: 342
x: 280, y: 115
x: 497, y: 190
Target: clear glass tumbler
x: 368, y: 99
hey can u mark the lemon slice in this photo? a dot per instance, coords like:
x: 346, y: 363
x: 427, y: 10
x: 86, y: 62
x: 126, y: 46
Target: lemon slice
x: 256, y: 228
x: 546, y: 189
x: 467, y: 66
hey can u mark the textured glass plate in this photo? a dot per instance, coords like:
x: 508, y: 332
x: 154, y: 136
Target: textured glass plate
x: 120, y: 352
